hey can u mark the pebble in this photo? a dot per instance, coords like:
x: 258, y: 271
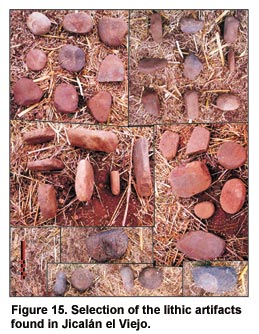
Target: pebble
x: 82, y: 279
x: 189, y: 25
x: 190, y: 179
x: 151, y: 102
x: 231, y: 155
x: 47, y: 200
x: 100, y: 106
x: 45, y: 164
x: 215, y: 279
x: 191, y: 101
x: 228, y: 102
x: 199, y: 245
x: 71, y: 58
x: 127, y: 276
x: 65, y: 98
x: 151, y: 278
x: 233, y: 195
x: 94, y: 140
x: 142, y: 167
x: 151, y: 65
x: 60, y: 284
x: 112, y: 30
x: 107, y: 245
x: 192, y: 67
x: 156, y: 29
x: 26, y: 92
x: 230, y: 29
x: 78, y: 23
x: 111, y: 70
x: 204, y: 210
x: 38, y: 136
x: 84, y: 184
x: 199, y: 141
x: 168, y: 144
x: 38, y: 23
x: 231, y: 60
x: 115, y: 182
x: 36, y: 60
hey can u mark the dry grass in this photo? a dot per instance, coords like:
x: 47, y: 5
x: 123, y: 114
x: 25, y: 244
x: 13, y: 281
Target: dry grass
x: 240, y: 289
x: 22, y: 40
x: 174, y: 216
x: 108, y: 281
x: 170, y: 84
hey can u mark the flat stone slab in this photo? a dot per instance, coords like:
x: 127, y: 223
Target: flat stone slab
x: 112, y: 30
x: 191, y: 102
x: 151, y: 65
x: 199, y: 245
x: 47, y: 200
x: 100, y: 106
x: 38, y: 23
x: 151, y: 278
x: 168, y: 144
x: 150, y: 102
x: 107, y: 245
x: 204, y: 210
x: 45, y: 165
x: 111, y: 70
x: 127, y: 276
x: 228, y: 102
x: 84, y: 184
x: 199, y: 141
x: 231, y: 29
x: 82, y: 279
x: 78, y: 23
x: 36, y: 60
x: 38, y: 136
x: 189, y: 25
x: 65, y: 98
x: 190, y: 179
x: 71, y: 58
x: 233, y: 195
x: 192, y: 67
x: 231, y: 155
x: 26, y: 92
x: 215, y: 279
x: 60, y: 283
x: 156, y: 28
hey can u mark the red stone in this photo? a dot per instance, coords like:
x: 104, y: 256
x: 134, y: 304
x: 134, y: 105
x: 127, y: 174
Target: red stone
x: 151, y: 102
x: 82, y: 279
x: 65, y: 98
x: 156, y: 28
x: 78, y: 23
x: 112, y: 30
x: 189, y: 25
x: 111, y: 70
x: 231, y: 155
x: 38, y: 23
x: 47, y: 200
x: 45, y: 164
x: 199, y: 245
x: 115, y: 182
x: 71, y: 58
x: 26, y: 92
x: 204, y: 210
x: 100, y: 106
x: 233, y: 195
x: 151, y: 278
x: 191, y: 101
x: 36, y: 60
x: 39, y: 136
x: 151, y: 65
x: 230, y: 29
x: 168, y: 145
x: 190, y: 179
x: 192, y: 67
x: 228, y: 102
x: 84, y: 184
x: 231, y: 60
x: 199, y: 141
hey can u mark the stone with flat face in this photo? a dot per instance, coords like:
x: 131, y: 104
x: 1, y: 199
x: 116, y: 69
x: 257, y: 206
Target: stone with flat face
x: 151, y: 102
x: 192, y: 67
x: 228, y: 102
x: 189, y: 25
x: 204, y: 210
x: 71, y: 58
x: 84, y: 183
x: 156, y: 29
x: 65, y: 98
x: 60, y: 284
x: 151, y: 65
x: 39, y: 136
x: 100, y: 106
x: 26, y: 92
x: 47, y: 200
x: 231, y: 29
x: 36, y: 60
x: 111, y: 70
x: 231, y: 155
x: 127, y: 276
x: 151, y: 278
x: 199, y: 141
x: 82, y: 279
x: 45, y: 165
x: 112, y: 30
x: 78, y: 23
x: 38, y: 23
x: 233, y: 195
x: 168, y: 144
x: 191, y: 101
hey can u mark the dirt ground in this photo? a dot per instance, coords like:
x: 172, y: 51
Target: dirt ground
x: 170, y: 84
x: 22, y: 41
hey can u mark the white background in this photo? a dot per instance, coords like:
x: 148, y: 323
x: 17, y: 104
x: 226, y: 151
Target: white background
x: 248, y: 320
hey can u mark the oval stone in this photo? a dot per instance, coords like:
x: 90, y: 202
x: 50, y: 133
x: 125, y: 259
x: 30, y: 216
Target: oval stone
x: 100, y: 106
x: 151, y: 278
x: 84, y: 184
x: 36, y: 60
x: 82, y: 279
x: 78, y: 23
x: 199, y: 245
x: 26, y: 92
x: 189, y: 25
x: 127, y: 276
x: 39, y: 136
x: 65, y: 98
x: 44, y: 165
x: 38, y: 23
x: 204, y: 210
x: 151, y: 65
x: 192, y: 67
x: 60, y: 284
x: 233, y: 195
x: 112, y: 30
x: 71, y: 58
x: 111, y: 70
x: 230, y: 29
x: 168, y: 144
x: 156, y: 29
x: 115, y: 182
x: 228, y: 102
x: 191, y: 101
x: 231, y: 155
x: 231, y: 60
x: 47, y: 200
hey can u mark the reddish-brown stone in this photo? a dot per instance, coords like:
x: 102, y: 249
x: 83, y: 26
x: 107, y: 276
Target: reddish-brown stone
x: 26, y: 92
x: 45, y: 164
x: 78, y: 23
x: 39, y: 136
x: 36, y: 60
x: 47, y: 200
x: 199, y: 141
x: 204, y: 210
x: 115, y: 182
x: 94, y: 140
x: 156, y: 28
x: 38, y: 23
x: 228, y: 102
x: 231, y: 155
x: 65, y: 98
x: 199, y: 245
x: 112, y: 30
x: 71, y: 58
x: 168, y: 144
x: 142, y: 168
x: 231, y: 60
x: 111, y: 70
x: 190, y: 179
x: 233, y: 195
x: 191, y: 101
x: 100, y: 106
x: 82, y: 279
x: 230, y: 29
x: 84, y: 184
x: 60, y: 284
x: 151, y: 278
x: 192, y: 67
x: 151, y: 102
x: 151, y: 65
x: 189, y: 25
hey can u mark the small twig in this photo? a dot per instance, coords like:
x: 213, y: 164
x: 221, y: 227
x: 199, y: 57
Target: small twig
x: 179, y: 49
